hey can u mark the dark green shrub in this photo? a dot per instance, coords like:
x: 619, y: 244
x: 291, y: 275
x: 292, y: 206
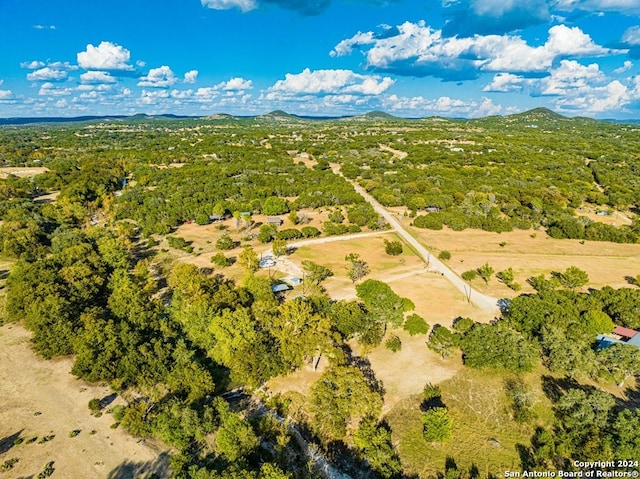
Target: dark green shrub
x: 94, y: 405
x: 225, y: 243
x: 393, y: 344
x: 219, y: 259
x: 444, y: 255
x: 438, y: 424
x: 416, y: 325
x: 432, y: 221
x: 393, y: 248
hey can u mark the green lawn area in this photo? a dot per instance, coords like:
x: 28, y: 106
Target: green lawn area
x: 484, y: 434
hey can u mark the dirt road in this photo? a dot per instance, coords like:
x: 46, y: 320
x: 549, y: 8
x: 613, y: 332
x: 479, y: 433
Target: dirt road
x: 483, y: 301
x: 287, y: 266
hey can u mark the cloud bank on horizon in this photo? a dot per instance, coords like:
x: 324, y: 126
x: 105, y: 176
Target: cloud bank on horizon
x: 464, y: 58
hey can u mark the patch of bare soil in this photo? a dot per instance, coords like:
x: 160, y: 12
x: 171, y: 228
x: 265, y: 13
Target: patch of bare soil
x: 48, y: 198
x: 396, y: 153
x: 299, y: 381
x: 616, y: 218
x: 21, y: 171
x: 41, y: 399
x: 407, y: 371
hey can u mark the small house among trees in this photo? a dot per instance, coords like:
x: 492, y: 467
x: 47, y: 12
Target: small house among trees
x: 280, y: 288
x: 292, y: 280
x: 215, y: 217
x: 619, y: 335
x: 274, y: 220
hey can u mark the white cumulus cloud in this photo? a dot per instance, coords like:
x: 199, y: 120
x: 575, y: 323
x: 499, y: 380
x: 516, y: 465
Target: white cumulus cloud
x: 62, y: 65
x: 612, y: 97
x: 444, y: 105
x: 419, y: 50
x: 106, y: 56
x: 95, y: 86
x: 47, y: 74
x: 161, y: 77
x: 322, y: 82
x: 505, y: 82
x: 49, y: 89
x: 181, y: 94
x: 191, y: 76
x: 571, y: 77
x: 626, y: 66
x: 33, y: 65
x: 97, y: 77
x: 631, y: 36
x: 234, y: 84
x: 346, y: 46
x: 152, y: 97
x: 243, y: 5
x: 206, y: 94
x: 628, y: 7
x: 6, y: 95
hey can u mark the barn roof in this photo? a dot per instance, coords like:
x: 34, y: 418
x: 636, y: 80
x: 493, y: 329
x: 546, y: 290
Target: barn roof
x: 624, y: 332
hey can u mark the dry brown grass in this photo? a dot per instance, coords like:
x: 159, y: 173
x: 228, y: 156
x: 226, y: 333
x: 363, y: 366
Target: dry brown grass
x: 531, y: 253
x: 616, y: 219
x: 435, y: 299
x: 406, y: 372
x: 41, y: 398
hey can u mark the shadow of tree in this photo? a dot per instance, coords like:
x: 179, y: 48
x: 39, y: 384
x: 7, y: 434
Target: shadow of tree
x: 555, y: 388
x: 364, y: 365
x: 156, y: 469
x: 631, y: 280
x: 7, y: 443
x: 527, y: 459
x: 107, y: 400
x: 632, y: 396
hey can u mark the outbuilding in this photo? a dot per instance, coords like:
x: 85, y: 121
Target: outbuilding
x: 274, y: 220
x: 280, y: 288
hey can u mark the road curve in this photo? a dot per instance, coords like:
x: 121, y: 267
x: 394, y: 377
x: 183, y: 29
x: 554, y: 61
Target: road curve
x: 481, y: 300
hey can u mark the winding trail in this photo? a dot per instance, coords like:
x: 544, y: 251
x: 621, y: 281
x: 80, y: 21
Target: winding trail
x: 481, y: 300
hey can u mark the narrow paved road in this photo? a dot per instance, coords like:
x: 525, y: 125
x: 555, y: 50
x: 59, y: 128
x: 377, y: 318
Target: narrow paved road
x: 481, y: 300
x: 287, y: 266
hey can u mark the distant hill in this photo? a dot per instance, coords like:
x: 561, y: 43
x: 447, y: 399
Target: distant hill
x: 531, y: 116
x: 279, y: 116
x: 89, y: 118
x: 538, y: 114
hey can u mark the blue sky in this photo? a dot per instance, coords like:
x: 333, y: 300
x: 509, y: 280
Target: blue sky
x: 461, y: 58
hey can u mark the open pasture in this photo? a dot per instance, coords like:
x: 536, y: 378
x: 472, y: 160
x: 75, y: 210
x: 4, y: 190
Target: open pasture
x: 531, y: 253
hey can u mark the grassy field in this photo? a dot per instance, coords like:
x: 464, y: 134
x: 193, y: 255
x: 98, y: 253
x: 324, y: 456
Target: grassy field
x: 435, y: 299
x: 531, y: 253
x: 405, y: 373
x: 484, y: 434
